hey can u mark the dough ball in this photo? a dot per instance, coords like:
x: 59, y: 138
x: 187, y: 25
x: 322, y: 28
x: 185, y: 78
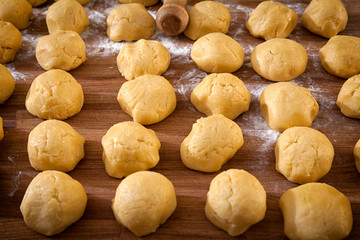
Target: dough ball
x: 303, y: 154
x: 18, y: 12
x: 325, y: 17
x: 217, y: 53
x: 82, y: 2
x: 211, y: 143
x: 348, y: 99
x: 129, y: 147
x: 143, y: 201
x: 316, y: 211
x: 61, y: 50
x: 146, y: 3
x: 284, y: 105
x: 148, y: 99
x: 236, y: 200
x: 271, y: 20
x: 55, y: 145
x: 221, y: 93
x: 66, y: 15
x: 129, y: 22
x: 10, y: 41
x: 54, y: 94
x: 279, y: 59
x: 1, y: 129
x: 356, y: 155
x: 52, y: 202
x: 341, y: 56
x: 36, y: 3
x: 207, y: 17
x: 7, y: 84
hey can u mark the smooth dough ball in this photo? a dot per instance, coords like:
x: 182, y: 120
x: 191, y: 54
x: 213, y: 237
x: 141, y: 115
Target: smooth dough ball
x: 66, y: 15
x: 279, y: 59
x: 82, y: 2
x: 348, y: 99
x: 52, y: 202
x: 356, y: 155
x: 7, y: 84
x: 54, y: 94
x: 207, y: 17
x: 271, y: 20
x: 36, y: 3
x: 143, y: 201
x: 217, y: 53
x: 284, y: 105
x: 62, y: 50
x: 10, y: 41
x: 211, y: 143
x: 236, y: 200
x: 146, y: 3
x: 316, y: 211
x: 18, y: 12
x: 341, y: 56
x: 129, y: 147
x: 143, y: 57
x: 1, y: 129
x: 303, y: 154
x: 55, y: 145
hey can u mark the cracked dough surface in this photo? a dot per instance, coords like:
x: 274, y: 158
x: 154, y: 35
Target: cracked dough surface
x: 10, y: 41
x: 348, y: 99
x: 146, y: 3
x: 7, y: 84
x: 18, y: 12
x: 357, y: 155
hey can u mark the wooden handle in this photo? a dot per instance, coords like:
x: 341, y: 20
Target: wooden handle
x: 172, y: 18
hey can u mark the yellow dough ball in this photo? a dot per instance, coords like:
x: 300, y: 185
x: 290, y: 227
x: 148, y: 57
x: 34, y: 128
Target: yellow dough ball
x: 82, y: 2
x: 1, y: 129
x: 146, y: 3
x: 357, y: 155
x: 348, y: 99
x: 7, y: 84
x: 18, y: 12
x: 10, y: 41
x: 36, y: 3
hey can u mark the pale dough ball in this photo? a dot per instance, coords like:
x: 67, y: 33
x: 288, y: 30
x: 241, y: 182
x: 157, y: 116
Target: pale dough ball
x: 18, y: 12
x: 54, y: 94
x: 146, y: 3
x: 211, y: 143
x: 348, y: 99
x: 36, y: 3
x: 271, y: 20
x: 236, y: 200
x: 279, y: 59
x: 10, y: 41
x: 303, y: 154
x: 217, y: 53
x: 316, y: 211
x: 148, y: 99
x: 221, y: 93
x: 341, y: 56
x: 55, y: 145
x: 207, y: 17
x: 129, y: 22
x: 1, y: 129
x: 129, y: 147
x: 325, y: 17
x: 82, y: 2
x: 284, y: 105
x: 52, y: 202
x: 356, y: 155
x: 143, y: 201
x: 7, y: 84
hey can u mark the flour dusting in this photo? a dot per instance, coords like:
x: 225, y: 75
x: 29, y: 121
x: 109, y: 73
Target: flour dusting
x: 16, y: 183
x: 187, y: 82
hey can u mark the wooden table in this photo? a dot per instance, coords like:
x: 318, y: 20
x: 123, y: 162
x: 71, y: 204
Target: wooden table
x: 101, y: 81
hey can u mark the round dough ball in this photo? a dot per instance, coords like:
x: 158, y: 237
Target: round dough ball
x: 54, y: 94
x: 36, y: 3
x: 52, y: 202
x: 316, y: 211
x: 143, y: 201
x: 341, y: 56
x: 148, y: 99
x: 279, y: 59
x: 211, y: 143
x: 1, y: 129
x: 129, y: 147
x: 284, y: 105
x: 348, y: 99
x: 66, y: 15
x: 356, y: 155
x: 146, y: 3
x: 18, y: 12
x: 303, y: 154
x: 55, y: 145
x: 271, y: 20
x: 221, y: 93
x: 236, y: 200
x: 325, y: 17
x: 207, y: 17
x: 7, y: 84
x: 129, y: 22
x: 82, y: 2
x: 10, y: 41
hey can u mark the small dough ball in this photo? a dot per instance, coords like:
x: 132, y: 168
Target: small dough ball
x: 236, y: 200
x: 146, y: 3
x: 341, y: 56
x: 66, y: 15
x: 217, y: 53
x: 18, y: 12
x: 82, y: 2
x: 129, y: 22
x: 129, y: 147
x: 316, y: 211
x: 284, y: 105
x: 10, y: 41
x: 7, y: 84
x: 62, y: 50
x: 143, y: 57
x: 221, y: 93
x: 356, y: 155
x: 325, y: 17
x: 271, y: 20
x: 1, y: 129
x: 143, y: 201
x: 211, y: 143
x: 55, y: 145
x: 207, y: 17
x: 54, y: 94
x: 36, y: 3
x: 303, y: 154
x: 52, y: 202
x: 279, y: 59
x: 348, y: 99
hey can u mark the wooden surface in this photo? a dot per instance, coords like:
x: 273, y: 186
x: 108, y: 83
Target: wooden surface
x: 101, y: 81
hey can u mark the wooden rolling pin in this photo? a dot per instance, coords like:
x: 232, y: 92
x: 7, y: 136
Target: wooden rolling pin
x: 172, y: 18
